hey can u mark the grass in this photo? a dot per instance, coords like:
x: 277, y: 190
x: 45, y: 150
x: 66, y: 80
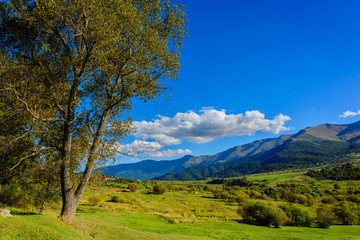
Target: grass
x: 25, y: 225
x: 143, y: 226
x: 173, y: 215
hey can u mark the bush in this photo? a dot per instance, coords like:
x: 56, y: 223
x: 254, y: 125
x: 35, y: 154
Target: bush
x: 94, y: 200
x: 256, y: 195
x: 354, y: 198
x: 325, y: 217
x: 224, y: 195
x: 297, y: 216
x: 236, y: 187
x: 346, y: 213
x: 302, y: 199
x: 117, y: 199
x: 170, y: 187
x: 133, y: 187
x: 13, y: 195
x: 329, y: 200
x: 262, y: 214
x: 272, y: 192
x: 159, y: 189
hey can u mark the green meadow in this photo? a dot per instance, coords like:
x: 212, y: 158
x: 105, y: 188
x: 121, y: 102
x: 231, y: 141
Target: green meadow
x: 186, y: 211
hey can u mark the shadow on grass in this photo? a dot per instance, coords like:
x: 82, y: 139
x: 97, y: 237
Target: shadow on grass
x: 207, y: 197
x: 22, y: 212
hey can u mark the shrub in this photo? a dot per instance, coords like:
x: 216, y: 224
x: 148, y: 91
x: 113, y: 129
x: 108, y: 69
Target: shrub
x: 170, y: 187
x: 325, y: 217
x: 354, y: 198
x: 216, y: 192
x: 272, y: 192
x: 256, y: 195
x: 262, y: 214
x: 224, y: 195
x: 329, y: 200
x: 236, y: 187
x: 302, y: 199
x: 346, y: 213
x: 297, y: 216
x: 159, y: 189
x: 94, y: 200
x: 13, y: 195
x: 133, y: 187
x: 117, y: 199
x: 206, y: 188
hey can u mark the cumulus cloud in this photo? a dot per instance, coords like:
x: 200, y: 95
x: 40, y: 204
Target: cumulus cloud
x: 149, y: 149
x: 139, y: 146
x: 169, y: 153
x: 207, y: 125
x: 349, y: 114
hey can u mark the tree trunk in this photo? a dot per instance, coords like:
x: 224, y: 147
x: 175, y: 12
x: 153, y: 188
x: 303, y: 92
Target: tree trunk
x: 68, y: 208
x: 71, y: 200
x: 42, y: 208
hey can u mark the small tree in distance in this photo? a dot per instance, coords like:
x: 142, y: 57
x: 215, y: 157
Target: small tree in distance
x: 159, y: 189
x: 133, y: 187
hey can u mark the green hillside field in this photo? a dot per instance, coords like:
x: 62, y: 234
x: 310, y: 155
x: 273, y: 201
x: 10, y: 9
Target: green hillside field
x: 188, y: 210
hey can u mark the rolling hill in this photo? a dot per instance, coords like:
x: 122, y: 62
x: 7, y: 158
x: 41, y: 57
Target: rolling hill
x: 311, y: 146
x: 149, y: 169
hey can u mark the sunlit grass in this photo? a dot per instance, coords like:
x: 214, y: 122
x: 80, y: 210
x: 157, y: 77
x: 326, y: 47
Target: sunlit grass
x: 185, y: 214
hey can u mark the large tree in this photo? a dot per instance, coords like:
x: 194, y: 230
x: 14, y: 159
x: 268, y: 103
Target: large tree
x: 73, y: 67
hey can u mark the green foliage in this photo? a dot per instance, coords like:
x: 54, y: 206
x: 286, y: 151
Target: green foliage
x: 272, y: 192
x: 133, y: 187
x: 262, y: 214
x: 12, y: 195
x: 241, y: 182
x: 344, y: 172
x: 324, y: 217
x: 94, y: 200
x: 347, y: 213
x: 170, y: 187
x: 297, y: 216
x: 118, y: 199
x: 159, y: 189
x: 74, y: 67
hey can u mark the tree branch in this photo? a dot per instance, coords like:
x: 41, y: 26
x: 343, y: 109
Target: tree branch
x: 28, y: 156
x: 27, y: 108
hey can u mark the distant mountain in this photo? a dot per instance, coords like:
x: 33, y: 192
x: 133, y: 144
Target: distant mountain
x: 148, y: 169
x: 309, y: 147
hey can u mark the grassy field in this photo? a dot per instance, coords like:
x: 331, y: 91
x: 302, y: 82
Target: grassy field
x: 182, y: 214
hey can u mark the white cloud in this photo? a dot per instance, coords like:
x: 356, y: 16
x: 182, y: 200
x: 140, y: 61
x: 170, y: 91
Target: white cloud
x: 349, y: 114
x: 169, y: 153
x: 139, y: 146
x: 149, y: 149
x: 206, y: 126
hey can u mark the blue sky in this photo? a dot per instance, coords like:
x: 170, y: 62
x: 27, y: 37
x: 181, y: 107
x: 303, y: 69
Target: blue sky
x: 276, y: 60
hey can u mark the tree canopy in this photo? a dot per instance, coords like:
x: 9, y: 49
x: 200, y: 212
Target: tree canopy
x: 69, y: 72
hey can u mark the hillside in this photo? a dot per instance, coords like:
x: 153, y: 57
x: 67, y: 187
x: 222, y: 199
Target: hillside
x: 196, y: 210
x: 312, y: 146
x: 148, y: 169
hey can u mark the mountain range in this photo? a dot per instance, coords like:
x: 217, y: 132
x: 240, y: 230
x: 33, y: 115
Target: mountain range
x: 312, y: 146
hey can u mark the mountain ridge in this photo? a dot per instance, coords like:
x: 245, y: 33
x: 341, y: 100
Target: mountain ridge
x: 309, y: 147
x: 320, y: 141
